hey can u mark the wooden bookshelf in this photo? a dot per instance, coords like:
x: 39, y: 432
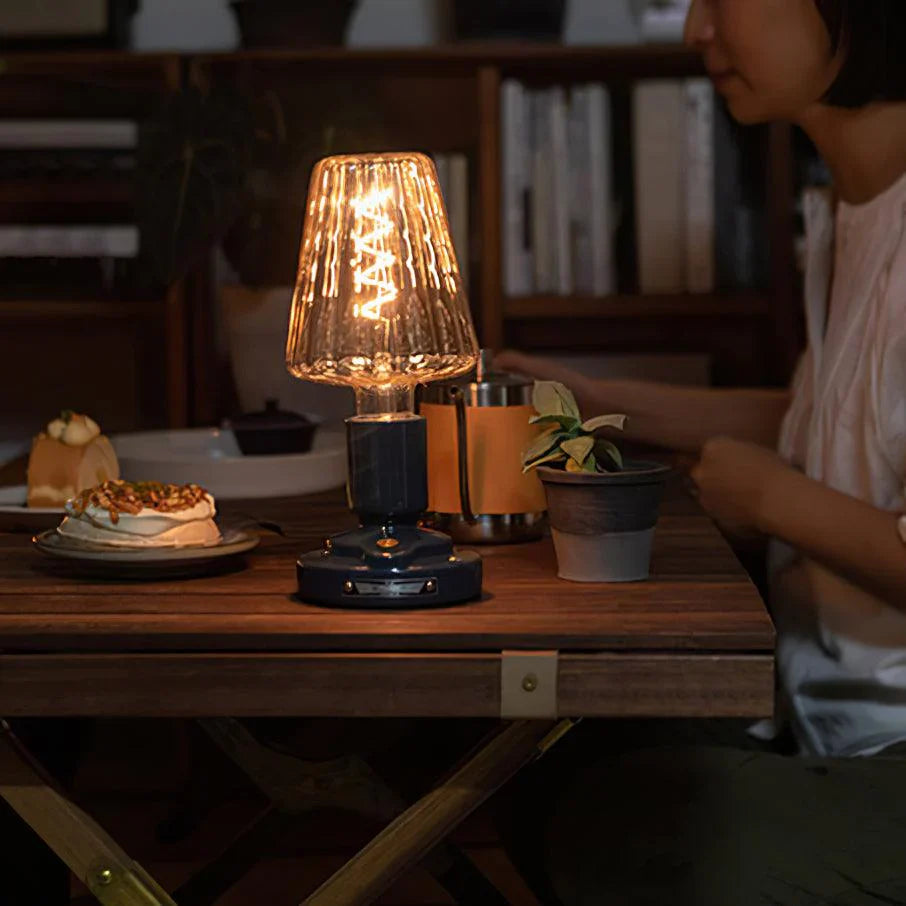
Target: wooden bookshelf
x: 119, y: 357
x: 23, y: 310
x: 551, y: 60
x: 629, y: 306
x: 447, y: 99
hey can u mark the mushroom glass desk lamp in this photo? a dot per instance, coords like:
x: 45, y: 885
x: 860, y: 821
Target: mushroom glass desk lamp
x: 379, y: 306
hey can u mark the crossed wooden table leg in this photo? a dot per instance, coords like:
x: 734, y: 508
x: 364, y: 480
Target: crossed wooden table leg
x: 295, y: 786
x: 116, y: 880
x: 89, y: 851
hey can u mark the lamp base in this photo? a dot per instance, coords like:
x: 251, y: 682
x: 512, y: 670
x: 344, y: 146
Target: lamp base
x: 389, y: 567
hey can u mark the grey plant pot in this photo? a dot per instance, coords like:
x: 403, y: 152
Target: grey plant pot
x: 603, y: 523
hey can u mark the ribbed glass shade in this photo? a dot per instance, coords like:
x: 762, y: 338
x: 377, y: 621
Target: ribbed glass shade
x: 379, y: 302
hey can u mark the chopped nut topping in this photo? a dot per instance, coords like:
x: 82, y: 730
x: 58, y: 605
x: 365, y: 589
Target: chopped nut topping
x: 118, y: 496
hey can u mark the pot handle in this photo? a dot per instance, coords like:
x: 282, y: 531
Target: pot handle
x: 462, y: 440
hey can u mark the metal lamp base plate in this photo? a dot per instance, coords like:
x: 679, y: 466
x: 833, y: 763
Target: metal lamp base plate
x: 398, y: 567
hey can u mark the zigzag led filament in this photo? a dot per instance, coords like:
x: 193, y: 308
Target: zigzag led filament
x: 373, y: 263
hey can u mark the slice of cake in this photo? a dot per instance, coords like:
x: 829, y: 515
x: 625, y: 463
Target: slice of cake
x: 69, y: 456
x: 142, y: 514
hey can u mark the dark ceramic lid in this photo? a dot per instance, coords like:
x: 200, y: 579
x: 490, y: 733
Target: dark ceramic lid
x: 269, y: 418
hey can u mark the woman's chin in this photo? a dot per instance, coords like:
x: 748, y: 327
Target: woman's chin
x: 749, y: 113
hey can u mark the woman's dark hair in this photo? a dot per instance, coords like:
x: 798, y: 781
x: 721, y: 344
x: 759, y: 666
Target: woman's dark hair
x: 872, y: 36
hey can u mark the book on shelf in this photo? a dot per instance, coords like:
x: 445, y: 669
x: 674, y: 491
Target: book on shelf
x: 700, y: 197
x: 591, y: 196
x: 663, y: 21
x: 557, y: 208
x: 727, y: 189
x: 698, y: 220
x: 608, y: 23
x: 64, y: 163
x: 540, y: 202
x: 659, y: 140
x: 517, y: 166
x: 699, y: 207
x: 453, y: 176
x: 560, y: 192
x: 71, y: 241
x: 71, y: 134
x: 550, y: 217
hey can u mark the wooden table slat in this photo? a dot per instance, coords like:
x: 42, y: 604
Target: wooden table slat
x: 375, y: 685
x: 698, y: 598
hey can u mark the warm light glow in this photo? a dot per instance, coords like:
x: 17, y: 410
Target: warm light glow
x: 373, y: 262
x: 379, y: 303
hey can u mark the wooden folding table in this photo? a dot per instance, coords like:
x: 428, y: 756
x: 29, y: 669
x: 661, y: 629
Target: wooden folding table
x: 693, y: 641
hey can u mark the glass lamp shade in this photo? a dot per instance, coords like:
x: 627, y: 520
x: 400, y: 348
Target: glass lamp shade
x: 379, y: 303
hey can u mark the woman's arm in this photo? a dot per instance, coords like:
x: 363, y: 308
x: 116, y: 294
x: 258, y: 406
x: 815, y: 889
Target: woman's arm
x: 679, y: 418
x: 685, y: 418
x: 847, y: 536
x: 745, y: 485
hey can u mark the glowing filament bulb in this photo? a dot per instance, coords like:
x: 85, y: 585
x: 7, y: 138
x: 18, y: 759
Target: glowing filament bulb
x: 372, y: 262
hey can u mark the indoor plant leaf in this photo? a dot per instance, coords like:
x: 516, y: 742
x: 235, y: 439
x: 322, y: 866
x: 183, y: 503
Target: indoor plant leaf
x: 604, y: 421
x: 556, y: 455
x: 542, y: 444
x: 552, y: 398
x: 566, y: 422
x: 578, y: 448
x: 607, y: 453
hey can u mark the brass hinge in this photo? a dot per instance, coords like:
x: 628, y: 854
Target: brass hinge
x: 125, y: 884
x: 528, y: 685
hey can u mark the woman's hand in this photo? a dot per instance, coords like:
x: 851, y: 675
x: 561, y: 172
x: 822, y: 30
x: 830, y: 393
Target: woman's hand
x: 537, y: 367
x: 733, y: 479
x: 585, y: 389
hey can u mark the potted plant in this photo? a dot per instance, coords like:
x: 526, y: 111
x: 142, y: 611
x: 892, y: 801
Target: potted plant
x: 602, y: 510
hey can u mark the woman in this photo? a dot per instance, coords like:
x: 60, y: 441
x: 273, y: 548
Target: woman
x: 830, y: 499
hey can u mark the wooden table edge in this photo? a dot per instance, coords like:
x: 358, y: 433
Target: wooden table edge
x: 379, y: 684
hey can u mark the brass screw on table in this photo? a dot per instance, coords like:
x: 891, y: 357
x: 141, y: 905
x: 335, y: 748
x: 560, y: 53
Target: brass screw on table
x: 530, y: 682
x: 105, y: 877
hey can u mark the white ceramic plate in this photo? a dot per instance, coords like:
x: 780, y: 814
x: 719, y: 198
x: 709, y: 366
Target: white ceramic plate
x: 211, y: 457
x: 15, y: 516
x: 148, y: 563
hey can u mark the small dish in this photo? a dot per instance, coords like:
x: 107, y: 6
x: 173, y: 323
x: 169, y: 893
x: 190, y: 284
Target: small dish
x: 15, y: 516
x: 144, y: 563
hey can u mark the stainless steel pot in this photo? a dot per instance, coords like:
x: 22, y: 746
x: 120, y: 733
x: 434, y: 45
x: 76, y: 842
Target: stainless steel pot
x: 477, y: 430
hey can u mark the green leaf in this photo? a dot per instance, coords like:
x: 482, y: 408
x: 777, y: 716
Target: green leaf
x: 591, y: 464
x: 609, y: 457
x: 578, y: 448
x: 604, y: 421
x: 566, y: 422
x: 552, y: 398
x: 542, y: 444
x: 554, y: 456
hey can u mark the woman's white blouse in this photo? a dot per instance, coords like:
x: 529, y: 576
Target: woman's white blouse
x: 841, y: 652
